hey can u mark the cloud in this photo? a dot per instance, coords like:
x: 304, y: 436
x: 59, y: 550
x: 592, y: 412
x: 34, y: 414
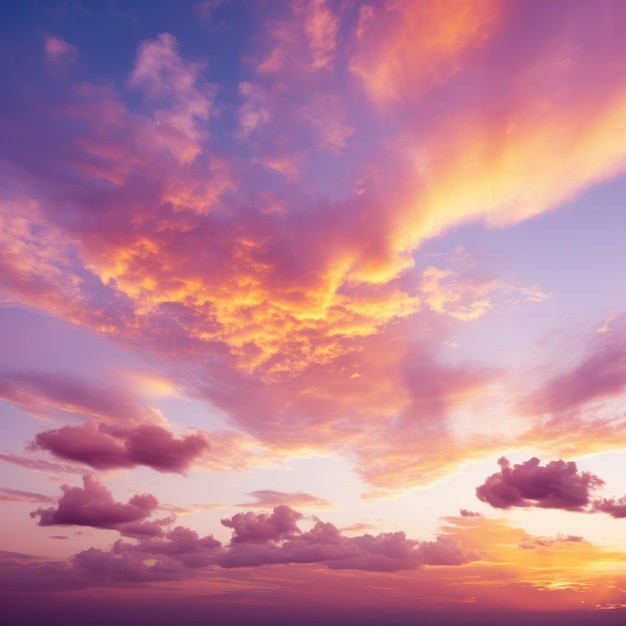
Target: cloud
x: 205, y: 10
x: 599, y: 374
x: 404, y: 48
x: 464, y: 295
x: 180, y: 544
x: 60, y: 55
x: 166, y: 78
x: 296, y: 309
x: 262, y: 527
x: 105, y: 447
x: 325, y: 544
x: 40, y: 465
x: 47, y: 395
x: 557, y: 485
x: 93, y: 505
x: 321, y: 27
x: 275, y: 538
x: 533, y: 543
x: 15, y: 495
x: 614, y: 507
x: 271, y: 498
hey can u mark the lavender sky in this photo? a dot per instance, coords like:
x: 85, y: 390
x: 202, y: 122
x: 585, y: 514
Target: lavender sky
x: 313, y: 310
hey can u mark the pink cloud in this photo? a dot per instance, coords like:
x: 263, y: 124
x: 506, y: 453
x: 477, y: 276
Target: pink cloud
x: 39, y: 465
x: 262, y: 527
x: 16, y: 495
x: 166, y: 78
x: 599, y: 374
x: 105, y: 447
x: 94, y: 505
x: 60, y: 54
x: 404, y: 48
x: 180, y: 543
x: 321, y: 26
x: 325, y: 544
x: 270, y: 498
x: 50, y: 395
x: 302, y: 40
x: 614, y: 507
x: 557, y: 485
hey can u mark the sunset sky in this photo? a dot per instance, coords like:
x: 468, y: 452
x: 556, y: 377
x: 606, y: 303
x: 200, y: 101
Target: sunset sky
x: 313, y: 312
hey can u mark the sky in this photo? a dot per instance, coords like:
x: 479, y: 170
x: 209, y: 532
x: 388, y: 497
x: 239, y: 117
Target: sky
x: 313, y: 312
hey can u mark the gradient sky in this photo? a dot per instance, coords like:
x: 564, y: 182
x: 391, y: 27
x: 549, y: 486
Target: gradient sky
x: 313, y: 310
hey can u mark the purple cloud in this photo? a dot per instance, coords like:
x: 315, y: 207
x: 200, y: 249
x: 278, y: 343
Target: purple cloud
x: 48, y: 395
x: 181, y: 544
x: 94, y: 505
x: 15, y: 495
x: 39, y: 464
x: 614, y: 507
x: 601, y: 373
x: 557, y: 485
x: 105, y: 447
x: 270, y: 498
x: 253, y: 527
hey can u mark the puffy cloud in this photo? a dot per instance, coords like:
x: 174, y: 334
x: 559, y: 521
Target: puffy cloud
x: 94, y: 505
x: 557, y: 485
x: 324, y: 543
x: 105, y: 447
x: 262, y: 527
x: 180, y: 544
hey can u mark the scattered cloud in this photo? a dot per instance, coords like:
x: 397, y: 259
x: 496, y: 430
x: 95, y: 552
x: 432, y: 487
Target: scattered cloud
x: 271, y: 498
x: 106, y: 447
x: 614, y: 507
x: 93, y: 505
x: 556, y: 485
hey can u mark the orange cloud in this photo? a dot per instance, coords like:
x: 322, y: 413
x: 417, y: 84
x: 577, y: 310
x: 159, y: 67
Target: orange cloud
x: 405, y: 48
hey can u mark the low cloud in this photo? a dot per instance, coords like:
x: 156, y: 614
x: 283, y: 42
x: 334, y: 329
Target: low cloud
x: 324, y: 543
x: 159, y: 552
x: 253, y: 527
x: 105, y: 447
x: 557, y: 485
x: 93, y: 505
